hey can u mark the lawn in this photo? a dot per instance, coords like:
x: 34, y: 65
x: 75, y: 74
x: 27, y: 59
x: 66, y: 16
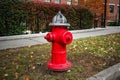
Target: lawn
x: 88, y: 57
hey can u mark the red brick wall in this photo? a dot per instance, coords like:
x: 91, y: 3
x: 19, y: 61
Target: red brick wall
x: 63, y: 1
x: 114, y: 15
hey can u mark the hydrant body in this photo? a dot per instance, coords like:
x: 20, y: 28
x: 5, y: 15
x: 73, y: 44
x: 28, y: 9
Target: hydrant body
x: 59, y: 37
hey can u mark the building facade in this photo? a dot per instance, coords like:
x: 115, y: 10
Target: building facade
x: 113, y: 10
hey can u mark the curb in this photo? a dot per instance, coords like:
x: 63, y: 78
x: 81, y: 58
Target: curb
x: 87, y: 30
x: 26, y: 36
x: 112, y: 73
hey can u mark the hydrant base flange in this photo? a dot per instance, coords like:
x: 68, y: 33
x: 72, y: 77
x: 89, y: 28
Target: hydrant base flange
x: 59, y: 67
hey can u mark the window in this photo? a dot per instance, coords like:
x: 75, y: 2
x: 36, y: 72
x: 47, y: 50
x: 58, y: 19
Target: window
x: 76, y: 1
x: 111, y: 8
x: 69, y: 2
x: 57, y: 1
x: 47, y: 0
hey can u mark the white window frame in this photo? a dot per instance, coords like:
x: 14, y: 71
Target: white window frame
x: 58, y: 1
x: 111, y: 4
x: 47, y: 0
x: 69, y: 2
x: 76, y: 2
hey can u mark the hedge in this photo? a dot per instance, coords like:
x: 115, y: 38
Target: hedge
x: 113, y: 23
x: 18, y: 16
x: 41, y: 14
x: 12, y: 17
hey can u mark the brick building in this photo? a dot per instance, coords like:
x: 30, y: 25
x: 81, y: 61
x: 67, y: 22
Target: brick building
x: 113, y: 13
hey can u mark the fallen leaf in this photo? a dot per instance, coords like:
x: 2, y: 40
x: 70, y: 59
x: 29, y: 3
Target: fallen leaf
x: 16, y: 75
x: 5, y: 75
x: 27, y: 78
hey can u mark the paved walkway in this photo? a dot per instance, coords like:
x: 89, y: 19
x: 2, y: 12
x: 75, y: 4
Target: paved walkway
x: 34, y: 39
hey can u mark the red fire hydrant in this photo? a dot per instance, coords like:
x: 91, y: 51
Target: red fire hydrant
x: 59, y: 37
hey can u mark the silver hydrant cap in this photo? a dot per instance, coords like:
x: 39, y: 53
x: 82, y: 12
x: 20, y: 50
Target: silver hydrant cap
x: 59, y: 20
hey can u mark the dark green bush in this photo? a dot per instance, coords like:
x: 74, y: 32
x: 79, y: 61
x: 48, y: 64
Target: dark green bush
x: 11, y: 17
x: 17, y: 16
x: 113, y: 23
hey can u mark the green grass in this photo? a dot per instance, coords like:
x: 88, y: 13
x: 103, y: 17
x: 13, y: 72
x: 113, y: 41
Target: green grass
x: 88, y: 56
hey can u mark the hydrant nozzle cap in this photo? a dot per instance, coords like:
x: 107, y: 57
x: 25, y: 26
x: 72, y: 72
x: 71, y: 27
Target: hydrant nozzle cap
x: 59, y: 20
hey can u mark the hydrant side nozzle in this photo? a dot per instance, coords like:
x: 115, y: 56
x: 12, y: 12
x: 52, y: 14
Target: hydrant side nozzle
x: 67, y: 37
x: 49, y: 37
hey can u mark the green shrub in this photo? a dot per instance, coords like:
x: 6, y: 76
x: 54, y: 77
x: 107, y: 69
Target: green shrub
x: 113, y: 23
x: 37, y: 16
x: 11, y: 17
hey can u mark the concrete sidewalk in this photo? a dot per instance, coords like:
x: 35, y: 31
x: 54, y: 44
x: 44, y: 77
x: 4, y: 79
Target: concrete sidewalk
x: 34, y: 39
